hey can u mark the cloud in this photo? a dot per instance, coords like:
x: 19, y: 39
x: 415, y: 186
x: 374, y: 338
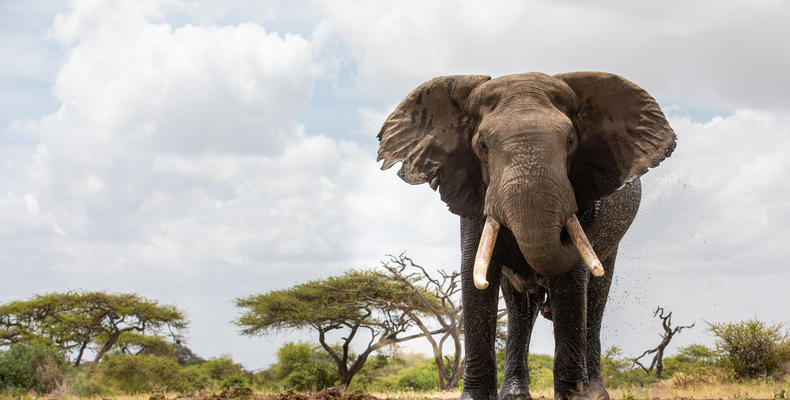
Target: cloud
x: 133, y: 91
x: 176, y: 167
x: 721, y: 193
x: 702, y: 52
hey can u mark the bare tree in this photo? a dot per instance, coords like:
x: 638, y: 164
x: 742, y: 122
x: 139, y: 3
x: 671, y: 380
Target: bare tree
x: 430, y: 298
x: 658, y: 359
x: 443, y: 306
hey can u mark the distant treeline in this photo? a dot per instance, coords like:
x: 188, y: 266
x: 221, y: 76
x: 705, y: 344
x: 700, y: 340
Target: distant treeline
x: 138, y: 345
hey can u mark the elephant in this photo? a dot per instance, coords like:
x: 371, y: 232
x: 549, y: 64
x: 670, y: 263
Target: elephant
x: 543, y: 171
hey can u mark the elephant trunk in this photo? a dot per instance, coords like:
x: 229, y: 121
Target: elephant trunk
x: 546, y: 251
x: 535, y: 209
x: 545, y: 226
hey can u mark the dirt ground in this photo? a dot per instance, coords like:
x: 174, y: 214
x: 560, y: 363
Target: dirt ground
x: 249, y: 394
x: 336, y: 394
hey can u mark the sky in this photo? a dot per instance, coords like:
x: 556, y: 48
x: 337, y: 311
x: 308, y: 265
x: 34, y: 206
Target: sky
x: 195, y: 152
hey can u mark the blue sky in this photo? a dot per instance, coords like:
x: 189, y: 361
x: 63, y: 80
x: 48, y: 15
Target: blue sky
x: 194, y: 152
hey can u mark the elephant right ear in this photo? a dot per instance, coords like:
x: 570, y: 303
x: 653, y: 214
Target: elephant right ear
x: 431, y: 133
x: 622, y: 132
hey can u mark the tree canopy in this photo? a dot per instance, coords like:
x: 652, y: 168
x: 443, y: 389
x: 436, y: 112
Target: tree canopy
x: 333, y: 304
x: 76, y: 321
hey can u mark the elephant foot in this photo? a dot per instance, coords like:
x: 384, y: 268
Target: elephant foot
x: 578, y: 393
x: 596, y: 390
x: 572, y: 396
x: 477, y: 395
x: 514, y: 389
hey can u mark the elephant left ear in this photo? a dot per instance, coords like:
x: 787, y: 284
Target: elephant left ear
x: 431, y: 132
x: 622, y: 132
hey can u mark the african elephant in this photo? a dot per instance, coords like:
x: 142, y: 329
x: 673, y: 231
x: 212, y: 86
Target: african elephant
x: 528, y: 153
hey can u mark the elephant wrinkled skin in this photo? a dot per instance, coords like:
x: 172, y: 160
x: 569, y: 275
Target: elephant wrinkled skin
x: 529, y: 150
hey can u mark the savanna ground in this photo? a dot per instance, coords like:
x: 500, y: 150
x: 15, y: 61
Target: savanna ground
x: 765, y: 389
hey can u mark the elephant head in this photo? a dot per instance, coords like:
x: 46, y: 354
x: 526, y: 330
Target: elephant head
x: 527, y: 150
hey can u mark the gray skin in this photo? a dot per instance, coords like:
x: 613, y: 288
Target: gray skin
x: 529, y: 150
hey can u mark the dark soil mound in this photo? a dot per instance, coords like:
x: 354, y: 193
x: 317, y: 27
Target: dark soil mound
x: 332, y: 393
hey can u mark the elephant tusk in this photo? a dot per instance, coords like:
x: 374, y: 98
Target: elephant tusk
x: 484, y: 250
x: 579, y: 240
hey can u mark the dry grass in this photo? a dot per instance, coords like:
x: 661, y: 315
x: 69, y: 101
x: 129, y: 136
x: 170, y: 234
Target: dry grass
x: 445, y: 395
x: 735, y: 391
x: 33, y: 395
x: 665, y: 390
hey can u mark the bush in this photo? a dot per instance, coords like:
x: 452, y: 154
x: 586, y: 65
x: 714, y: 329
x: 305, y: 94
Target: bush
x: 784, y: 350
x: 691, y: 360
x: 193, y: 378
x: 138, y: 374
x: 377, y: 366
x: 25, y: 367
x: 618, y: 372
x: 414, y: 372
x: 379, y: 371
x: 541, y: 371
x: 418, y: 378
x: 80, y: 385
x: 750, y: 348
x: 219, y: 368
x: 301, y: 366
x: 234, y: 381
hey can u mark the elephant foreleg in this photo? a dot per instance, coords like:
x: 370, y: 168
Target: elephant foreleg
x: 597, y: 293
x: 522, y: 309
x: 569, y: 313
x: 480, y: 311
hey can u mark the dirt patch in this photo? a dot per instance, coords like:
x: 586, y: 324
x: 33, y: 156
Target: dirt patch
x: 326, y: 394
x: 249, y: 394
x: 289, y: 395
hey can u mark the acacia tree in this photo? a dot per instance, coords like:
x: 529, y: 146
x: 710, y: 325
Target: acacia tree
x: 75, y: 321
x: 658, y: 359
x: 333, y: 304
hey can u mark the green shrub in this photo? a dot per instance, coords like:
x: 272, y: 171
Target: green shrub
x: 414, y: 372
x: 234, y: 381
x: 690, y: 360
x: 80, y: 385
x: 193, y: 378
x: 219, y: 368
x: 750, y: 348
x: 784, y: 350
x: 618, y: 372
x: 137, y: 374
x: 379, y: 369
x: 25, y: 367
x: 541, y: 373
x: 419, y: 378
x: 301, y: 366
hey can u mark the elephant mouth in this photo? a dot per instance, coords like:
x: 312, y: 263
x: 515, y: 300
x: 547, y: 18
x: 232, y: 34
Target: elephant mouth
x: 573, y: 230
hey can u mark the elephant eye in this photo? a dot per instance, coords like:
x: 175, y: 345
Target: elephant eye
x: 571, y: 142
x: 481, y: 145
